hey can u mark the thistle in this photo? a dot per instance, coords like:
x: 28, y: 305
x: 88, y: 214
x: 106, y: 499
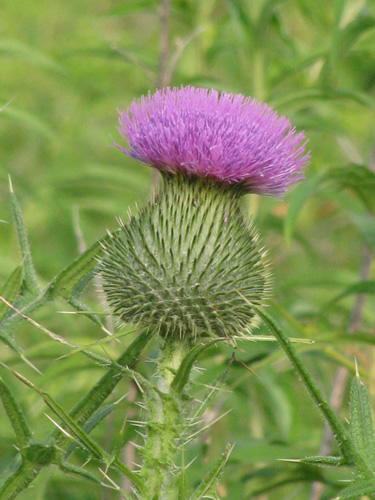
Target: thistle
x: 189, y: 266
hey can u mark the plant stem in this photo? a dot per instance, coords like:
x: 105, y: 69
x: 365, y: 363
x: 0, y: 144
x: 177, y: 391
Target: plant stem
x: 164, y: 424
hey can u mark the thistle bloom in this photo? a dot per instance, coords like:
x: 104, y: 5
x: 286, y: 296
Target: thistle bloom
x: 224, y: 137
x: 189, y: 265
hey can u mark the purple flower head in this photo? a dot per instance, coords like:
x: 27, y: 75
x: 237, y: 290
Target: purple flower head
x: 224, y: 137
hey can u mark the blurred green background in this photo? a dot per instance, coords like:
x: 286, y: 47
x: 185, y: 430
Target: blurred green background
x: 66, y: 68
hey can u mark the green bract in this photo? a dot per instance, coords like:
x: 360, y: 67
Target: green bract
x: 187, y: 263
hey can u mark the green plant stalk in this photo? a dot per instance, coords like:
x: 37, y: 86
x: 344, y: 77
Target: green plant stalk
x: 164, y: 425
x: 24, y: 472
x: 346, y: 445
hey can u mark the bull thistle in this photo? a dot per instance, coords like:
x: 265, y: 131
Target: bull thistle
x: 188, y: 266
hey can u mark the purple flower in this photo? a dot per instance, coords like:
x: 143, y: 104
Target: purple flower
x: 224, y: 137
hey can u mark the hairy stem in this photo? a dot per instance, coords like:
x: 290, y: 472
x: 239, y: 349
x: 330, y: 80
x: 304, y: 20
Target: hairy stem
x: 164, y: 425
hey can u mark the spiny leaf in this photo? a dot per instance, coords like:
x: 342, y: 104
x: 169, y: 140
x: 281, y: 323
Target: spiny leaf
x: 357, y: 490
x: 16, y: 417
x: 79, y: 434
x: 90, y: 403
x: 99, y: 359
x: 92, y: 422
x: 324, y: 461
x: 361, y: 424
x: 213, y: 476
x: 17, y: 479
x: 11, y: 289
x: 346, y: 445
x: 183, y: 373
x: 69, y: 278
x: 28, y: 267
x: 79, y: 471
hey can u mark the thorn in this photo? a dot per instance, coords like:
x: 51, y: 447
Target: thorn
x: 59, y: 427
x: 356, y: 367
x: 247, y: 368
x: 10, y: 184
x: 120, y: 399
x: 143, y: 436
x: 114, y: 485
x: 6, y: 104
x: 137, y: 446
x: 24, y: 358
x: 87, y: 461
x: 137, y: 423
x: 294, y: 460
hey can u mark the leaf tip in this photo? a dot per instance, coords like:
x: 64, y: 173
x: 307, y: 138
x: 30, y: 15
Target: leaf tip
x: 10, y: 184
x: 356, y: 367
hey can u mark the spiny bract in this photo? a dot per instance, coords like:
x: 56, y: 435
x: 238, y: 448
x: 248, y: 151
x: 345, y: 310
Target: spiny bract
x: 187, y: 264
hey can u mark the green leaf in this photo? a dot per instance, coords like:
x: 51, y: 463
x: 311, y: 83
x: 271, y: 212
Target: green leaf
x: 92, y: 422
x: 80, y: 435
x: 299, y: 98
x: 70, y: 277
x: 28, y: 120
x: 346, y: 446
x: 23, y: 242
x: 365, y: 287
x: 354, y: 31
x: 78, y: 471
x: 18, y: 478
x: 324, y: 461
x: 366, y: 226
x: 15, y: 415
x: 238, y: 12
x: 339, y: 6
x: 361, y: 424
x: 90, y: 403
x: 182, y: 376
x: 30, y: 55
x: 357, y: 490
x: 11, y: 289
x: 131, y: 6
x: 297, y: 201
x: 213, y: 476
x: 358, y: 179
